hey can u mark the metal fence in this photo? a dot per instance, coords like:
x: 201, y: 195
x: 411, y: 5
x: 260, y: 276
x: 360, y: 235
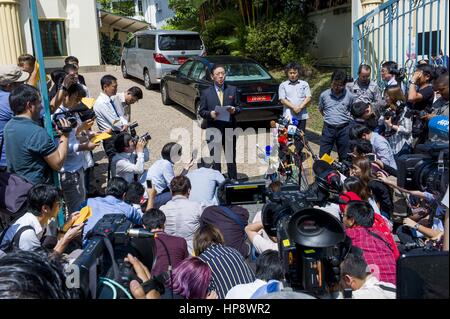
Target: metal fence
x: 404, y: 31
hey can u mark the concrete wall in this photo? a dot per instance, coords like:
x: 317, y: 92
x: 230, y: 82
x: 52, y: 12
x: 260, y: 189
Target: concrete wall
x: 333, y: 39
x: 81, y: 23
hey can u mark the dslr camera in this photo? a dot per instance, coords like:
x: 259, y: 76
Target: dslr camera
x: 428, y: 169
x: 132, y: 128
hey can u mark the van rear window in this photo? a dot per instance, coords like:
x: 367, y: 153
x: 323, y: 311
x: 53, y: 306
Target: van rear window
x: 175, y: 42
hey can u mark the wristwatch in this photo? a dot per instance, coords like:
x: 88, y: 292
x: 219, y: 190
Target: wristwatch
x: 412, y: 82
x: 416, y: 226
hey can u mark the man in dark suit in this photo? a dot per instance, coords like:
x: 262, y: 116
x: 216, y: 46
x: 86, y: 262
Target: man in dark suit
x: 221, y: 94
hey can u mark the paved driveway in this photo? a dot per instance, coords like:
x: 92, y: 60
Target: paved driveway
x: 174, y: 123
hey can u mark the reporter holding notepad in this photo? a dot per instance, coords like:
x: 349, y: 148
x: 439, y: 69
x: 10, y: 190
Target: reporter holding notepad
x: 213, y: 102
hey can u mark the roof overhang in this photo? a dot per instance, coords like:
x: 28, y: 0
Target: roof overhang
x: 121, y: 23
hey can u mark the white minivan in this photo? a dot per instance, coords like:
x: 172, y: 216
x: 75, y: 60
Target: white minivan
x: 150, y: 54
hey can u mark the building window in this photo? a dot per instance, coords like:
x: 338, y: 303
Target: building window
x: 53, y: 36
x: 423, y: 43
x: 140, y: 8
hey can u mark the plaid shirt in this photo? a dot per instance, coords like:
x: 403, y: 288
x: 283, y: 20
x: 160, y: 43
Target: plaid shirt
x: 377, y: 254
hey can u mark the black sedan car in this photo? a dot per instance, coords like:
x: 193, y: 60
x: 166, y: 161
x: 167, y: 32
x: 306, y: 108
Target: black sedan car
x: 257, y: 89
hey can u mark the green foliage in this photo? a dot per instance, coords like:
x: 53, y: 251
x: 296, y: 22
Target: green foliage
x: 122, y: 7
x: 110, y: 49
x: 186, y: 16
x: 272, y: 32
x: 281, y: 41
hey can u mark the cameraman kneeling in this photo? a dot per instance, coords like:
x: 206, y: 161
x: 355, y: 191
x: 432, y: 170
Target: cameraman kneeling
x: 27, y: 231
x: 130, y: 157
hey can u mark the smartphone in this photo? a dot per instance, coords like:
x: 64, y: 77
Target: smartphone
x: 149, y: 183
x: 372, y: 157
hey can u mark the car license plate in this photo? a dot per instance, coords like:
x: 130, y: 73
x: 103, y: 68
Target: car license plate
x: 258, y: 98
x: 182, y: 60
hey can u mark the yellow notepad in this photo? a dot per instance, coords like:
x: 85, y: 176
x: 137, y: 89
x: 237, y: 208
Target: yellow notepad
x: 85, y: 213
x: 100, y: 137
x: 327, y: 158
x: 89, y: 102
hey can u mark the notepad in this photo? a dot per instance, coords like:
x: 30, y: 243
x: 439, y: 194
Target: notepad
x: 100, y: 137
x: 223, y: 114
x: 85, y: 214
x: 89, y: 102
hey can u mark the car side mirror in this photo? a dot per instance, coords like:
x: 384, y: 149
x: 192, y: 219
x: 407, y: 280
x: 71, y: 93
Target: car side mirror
x: 174, y: 72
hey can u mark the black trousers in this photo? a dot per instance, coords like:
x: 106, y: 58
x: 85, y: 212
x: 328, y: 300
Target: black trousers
x: 332, y: 135
x: 226, y: 142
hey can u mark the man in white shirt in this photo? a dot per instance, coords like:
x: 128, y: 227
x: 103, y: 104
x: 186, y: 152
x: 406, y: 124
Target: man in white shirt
x: 72, y: 173
x: 182, y: 214
x: 109, y: 112
x: 356, y: 275
x: 26, y: 232
x: 131, y: 96
x: 205, y: 181
x: 268, y: 269
x: 161, y: 172
x: 130, y: 157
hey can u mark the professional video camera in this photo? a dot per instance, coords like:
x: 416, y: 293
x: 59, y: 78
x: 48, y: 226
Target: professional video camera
x: 312, y: 242
x: 132, y: 127
x: 103, y: 272
x: 418, y: 122
x: 428, y: 170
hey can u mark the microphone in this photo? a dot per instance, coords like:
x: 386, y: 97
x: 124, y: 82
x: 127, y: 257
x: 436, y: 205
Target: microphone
x: 140, y: 233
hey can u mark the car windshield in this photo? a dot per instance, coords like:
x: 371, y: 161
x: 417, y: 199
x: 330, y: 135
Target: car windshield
x: 245, y: 72
x: 176, y: 42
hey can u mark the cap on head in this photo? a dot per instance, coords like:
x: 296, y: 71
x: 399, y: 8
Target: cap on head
x: 10, y: 73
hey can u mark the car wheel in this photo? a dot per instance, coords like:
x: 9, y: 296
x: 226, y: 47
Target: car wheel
x: 201, y: 122
x: 124, y: 71
x: 165, y: 95
x: 147, y: 82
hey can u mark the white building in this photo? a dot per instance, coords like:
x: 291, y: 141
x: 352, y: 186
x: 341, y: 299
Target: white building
x: 68, y: 27
x: 154, y: 12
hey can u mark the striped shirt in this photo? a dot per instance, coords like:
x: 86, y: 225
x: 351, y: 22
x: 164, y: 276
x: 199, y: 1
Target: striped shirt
x: 228, y: 268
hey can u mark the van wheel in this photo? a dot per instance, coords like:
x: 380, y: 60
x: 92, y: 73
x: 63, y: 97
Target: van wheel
x: 165, y: 94
x: 124, y: 71
x: 147, y: 82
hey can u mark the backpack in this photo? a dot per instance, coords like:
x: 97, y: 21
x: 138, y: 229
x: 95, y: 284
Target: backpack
x: 13, y: 196
x: 14, y: 243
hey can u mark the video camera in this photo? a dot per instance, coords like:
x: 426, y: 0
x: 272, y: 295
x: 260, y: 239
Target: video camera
x: 132, y: 127
x: 101, y: 265
x: 428, y: 170
x: 312, y: 242
x: 69, y: 116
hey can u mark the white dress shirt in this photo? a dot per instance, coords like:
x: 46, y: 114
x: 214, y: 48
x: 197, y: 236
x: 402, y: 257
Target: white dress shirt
x: 126, y: 165
x: 182, y: 218
x: 107, y: 115
x: 371, y: 290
